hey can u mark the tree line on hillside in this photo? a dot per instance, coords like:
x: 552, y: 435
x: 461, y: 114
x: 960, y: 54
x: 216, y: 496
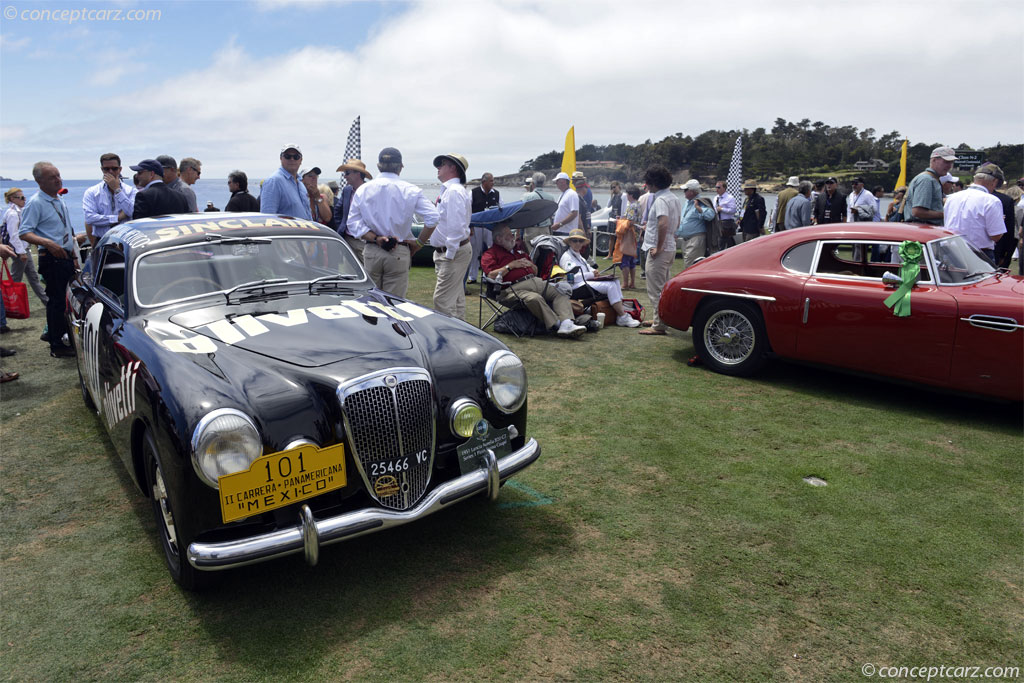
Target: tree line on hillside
x: 801, y: 148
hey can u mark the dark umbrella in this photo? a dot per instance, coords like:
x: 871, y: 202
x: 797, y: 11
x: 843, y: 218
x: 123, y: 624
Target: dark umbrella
x: 518, y: 214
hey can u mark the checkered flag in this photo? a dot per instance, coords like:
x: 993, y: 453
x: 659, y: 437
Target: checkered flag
x: 353, y: 147
x: 734, y: 181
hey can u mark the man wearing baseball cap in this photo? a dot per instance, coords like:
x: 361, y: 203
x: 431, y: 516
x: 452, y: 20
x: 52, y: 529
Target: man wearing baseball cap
x: 975, y: 213
x: 156, y: 198
x: 568, y: 211
x: 283, y: 192
x: 924, y: 194
x: 381, y: 215
x: 319, y: 206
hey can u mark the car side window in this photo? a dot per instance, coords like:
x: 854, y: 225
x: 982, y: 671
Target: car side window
x: 110, y: 280
x: 868, y: 260
x: 800, y: 258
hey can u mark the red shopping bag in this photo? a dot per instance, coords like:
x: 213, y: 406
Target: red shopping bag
x: 15, y: 295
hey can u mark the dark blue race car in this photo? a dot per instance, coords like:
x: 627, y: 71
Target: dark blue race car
x: 269, y: 400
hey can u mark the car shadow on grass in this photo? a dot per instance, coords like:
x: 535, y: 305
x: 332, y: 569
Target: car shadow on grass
x: 280, y: 616
x: 875, y: 392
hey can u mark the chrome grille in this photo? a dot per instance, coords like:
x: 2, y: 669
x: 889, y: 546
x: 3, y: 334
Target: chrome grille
x: 389, y: 419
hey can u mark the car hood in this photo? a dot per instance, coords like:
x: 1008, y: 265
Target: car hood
x: 306, y: 331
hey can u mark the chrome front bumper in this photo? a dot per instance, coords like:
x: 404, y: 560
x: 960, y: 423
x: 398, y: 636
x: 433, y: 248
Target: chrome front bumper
x: 309, y: 533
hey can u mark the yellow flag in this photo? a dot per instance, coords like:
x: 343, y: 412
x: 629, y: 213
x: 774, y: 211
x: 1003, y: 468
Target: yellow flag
x: 902, y: 180
x: 569, y: 156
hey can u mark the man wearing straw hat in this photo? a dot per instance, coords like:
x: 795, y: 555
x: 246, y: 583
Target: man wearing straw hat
x: 450, y: 237
x: 355, y: 173
x: 787, y: 194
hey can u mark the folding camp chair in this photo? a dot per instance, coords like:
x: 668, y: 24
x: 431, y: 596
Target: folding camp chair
x: 490, y: 289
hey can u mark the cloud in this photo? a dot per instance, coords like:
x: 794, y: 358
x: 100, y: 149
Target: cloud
x: 501, y: 82
x: 9, y: 44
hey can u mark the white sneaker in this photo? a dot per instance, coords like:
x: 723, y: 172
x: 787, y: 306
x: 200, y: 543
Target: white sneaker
x: 626, y: 320
x: 567, y: 328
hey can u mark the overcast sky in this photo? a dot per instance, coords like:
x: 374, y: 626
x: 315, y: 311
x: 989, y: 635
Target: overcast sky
x: 229, y: 82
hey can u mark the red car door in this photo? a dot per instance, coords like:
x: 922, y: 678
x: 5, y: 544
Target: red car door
x: 845, y: 322
x: 989, y: 354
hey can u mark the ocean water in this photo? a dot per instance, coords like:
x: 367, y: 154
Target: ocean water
x: 216, y: 191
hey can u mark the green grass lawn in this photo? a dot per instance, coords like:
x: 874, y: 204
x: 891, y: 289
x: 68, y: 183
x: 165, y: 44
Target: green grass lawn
x: 665, y: 534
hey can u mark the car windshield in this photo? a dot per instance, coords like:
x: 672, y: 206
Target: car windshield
x: 199, y: 269
x: 957, y: 261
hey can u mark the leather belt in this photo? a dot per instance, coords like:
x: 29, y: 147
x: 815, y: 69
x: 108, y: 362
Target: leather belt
x: 523, y: 278
x: 464, y: 242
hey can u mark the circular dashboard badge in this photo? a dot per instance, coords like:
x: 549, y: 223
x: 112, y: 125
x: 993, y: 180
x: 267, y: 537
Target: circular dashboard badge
x: 391, y: 381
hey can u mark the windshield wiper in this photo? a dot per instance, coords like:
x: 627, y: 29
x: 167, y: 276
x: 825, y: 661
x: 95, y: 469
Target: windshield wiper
x: 260, y: 285
x: 221, y: 239
x: 334, y: 281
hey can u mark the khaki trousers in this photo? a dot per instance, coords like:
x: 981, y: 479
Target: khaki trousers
x: 693, y: 248
x: 389, y: 270
x: 357, y: 245
x: 544, y: 301
x: 658, y: 269
x: 450, y: 292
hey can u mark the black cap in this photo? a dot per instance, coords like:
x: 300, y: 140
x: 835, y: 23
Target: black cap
x: 830, y: 180
x: 149, y: 165
x: 858, y: 179
x: 389, y: 155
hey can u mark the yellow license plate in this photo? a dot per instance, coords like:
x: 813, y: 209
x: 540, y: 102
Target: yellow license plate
x: 281, y: 479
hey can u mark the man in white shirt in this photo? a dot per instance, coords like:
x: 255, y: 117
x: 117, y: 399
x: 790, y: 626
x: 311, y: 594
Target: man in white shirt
x: 568, y: 211
x: 659, y: 239
x: 860, y: 204
x: 450, y: 237
x: 381, y: 215
x: 976, y: 213
x: 108, y: 202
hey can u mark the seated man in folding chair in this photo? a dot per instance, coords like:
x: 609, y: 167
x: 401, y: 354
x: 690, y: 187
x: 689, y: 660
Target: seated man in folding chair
x: 507, y: 264
x: 586, y: 287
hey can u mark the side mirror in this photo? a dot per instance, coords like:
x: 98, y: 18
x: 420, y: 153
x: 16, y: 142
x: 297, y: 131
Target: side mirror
x: 890, y: 279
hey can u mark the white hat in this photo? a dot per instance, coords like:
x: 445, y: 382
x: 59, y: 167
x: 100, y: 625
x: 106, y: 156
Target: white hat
x: 948, y: 178
x: 794, y: 181
x: 562, y: 176
x: 692, y: 184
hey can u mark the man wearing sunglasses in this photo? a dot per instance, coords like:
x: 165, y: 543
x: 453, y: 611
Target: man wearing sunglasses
x: 283, y: 192
x: 108, y: 202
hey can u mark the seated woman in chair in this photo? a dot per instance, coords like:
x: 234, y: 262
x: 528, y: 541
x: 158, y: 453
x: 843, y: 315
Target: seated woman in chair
x: 586, y: 286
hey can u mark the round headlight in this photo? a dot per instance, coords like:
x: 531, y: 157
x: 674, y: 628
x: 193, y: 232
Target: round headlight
x: 465, y: 415
x: 506, y: 381
x: 224, y: 442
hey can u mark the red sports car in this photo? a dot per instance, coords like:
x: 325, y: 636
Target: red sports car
x: 817, y: 295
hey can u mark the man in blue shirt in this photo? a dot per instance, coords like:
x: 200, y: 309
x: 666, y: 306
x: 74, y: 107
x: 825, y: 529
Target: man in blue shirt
x: 283, y: 192
x: 45, y: 222
x: 693, y: 224
x: 109, y: 202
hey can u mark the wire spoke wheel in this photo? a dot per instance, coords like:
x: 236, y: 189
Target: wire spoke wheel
x: 729, y: 337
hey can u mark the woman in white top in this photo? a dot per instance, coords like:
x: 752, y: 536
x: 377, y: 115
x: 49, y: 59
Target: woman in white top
x: 23, y: 264
x: 572, y: 258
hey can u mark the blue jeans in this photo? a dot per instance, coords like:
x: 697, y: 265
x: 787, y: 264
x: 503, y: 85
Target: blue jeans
x: 3, y: 314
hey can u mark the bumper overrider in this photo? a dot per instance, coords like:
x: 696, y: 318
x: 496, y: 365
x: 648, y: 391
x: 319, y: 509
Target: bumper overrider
x: 309, y: 533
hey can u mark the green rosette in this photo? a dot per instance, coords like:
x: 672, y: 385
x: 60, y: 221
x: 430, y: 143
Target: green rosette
x: 910, y: 271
